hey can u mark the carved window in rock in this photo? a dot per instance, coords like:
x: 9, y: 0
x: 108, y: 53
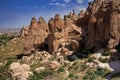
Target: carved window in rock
x: 59, y: 30
x: 47, y: 30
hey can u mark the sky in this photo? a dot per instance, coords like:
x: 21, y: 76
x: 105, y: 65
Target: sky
x: 16, y: 13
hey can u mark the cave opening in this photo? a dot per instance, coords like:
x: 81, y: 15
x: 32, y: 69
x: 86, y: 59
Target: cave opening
x: 118, y: 47
x: 44, y: 47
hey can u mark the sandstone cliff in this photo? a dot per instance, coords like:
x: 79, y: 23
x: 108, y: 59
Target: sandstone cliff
x: 101, y: 24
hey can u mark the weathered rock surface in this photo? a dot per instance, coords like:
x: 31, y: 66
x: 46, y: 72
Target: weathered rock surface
x: 58, y: 33
x: 101, y: 24
x: 39, y: 69
x: 75, y: 45
x: 37, y: 34
x: 53, y: 65
x: 20, y: 71
x: 24, y: 31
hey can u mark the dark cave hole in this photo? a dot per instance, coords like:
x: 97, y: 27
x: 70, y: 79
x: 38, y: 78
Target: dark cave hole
x: 118, y: 47
x: 44, y: 47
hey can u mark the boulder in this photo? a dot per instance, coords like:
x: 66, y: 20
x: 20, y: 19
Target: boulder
x: 39, y: 69
x: 20, y: 71
x: 1, y: 64
x: 53, y: 65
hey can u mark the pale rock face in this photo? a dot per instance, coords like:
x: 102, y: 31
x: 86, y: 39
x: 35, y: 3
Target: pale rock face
x: 43, y: 55
x: 98, y: 54
x: 104, y: 65
x: 20, y: 72
x: 1, y: 64
x: 53, y: 65
x: 39, y: 69
x: 75, y: 45
x: 24, y: 31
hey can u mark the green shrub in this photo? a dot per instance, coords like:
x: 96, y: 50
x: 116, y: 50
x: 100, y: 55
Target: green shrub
x: 4, y: 74
x: 71, y: 67
x: 4, y: 38
x: 103, y: 60
x: 106, y: 53
x: 41, y: 75
x: 83, y: 67
x: 61, y: 69
x: 71, y: 75
x: 90, y: 59
x: 94, y: 75
x: 89, y: 75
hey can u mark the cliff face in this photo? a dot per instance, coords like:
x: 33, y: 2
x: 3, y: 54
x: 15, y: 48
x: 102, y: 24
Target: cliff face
x: 58, y: 33
x: 36, y: 35
x: 42, y: 36
x: 101, y: 24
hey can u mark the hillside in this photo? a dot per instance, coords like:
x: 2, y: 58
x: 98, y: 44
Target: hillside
x: 84, y: 46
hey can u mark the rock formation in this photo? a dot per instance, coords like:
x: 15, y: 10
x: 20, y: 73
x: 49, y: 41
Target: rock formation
x: 37, y: 33
x: 58, y: 33
x: 101, y: 24
x: 70, y: 20
x: 24, y: 31
x: 20, y: 72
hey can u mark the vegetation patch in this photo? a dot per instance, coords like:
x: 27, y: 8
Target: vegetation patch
x: 61, y: 69
x: 4, y: 72
x: 4, y: 38
x: 105, y: 60
x: 73, y: 76
x: 96, y: 74
x: 41, y: 75
x: 107, y: 53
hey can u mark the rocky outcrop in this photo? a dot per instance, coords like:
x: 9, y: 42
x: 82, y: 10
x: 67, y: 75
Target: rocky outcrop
x: 70, y: 20
x: 53, y: 65
x: 58, y: 33
x: 75, y: 45
x: 24, y: 31
x: 20, y: 72
x: 101, y: 24
x: 37, y: 34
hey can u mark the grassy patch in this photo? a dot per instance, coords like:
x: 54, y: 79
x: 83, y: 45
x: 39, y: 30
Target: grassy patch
x: 73, y: 76
x: 83, y: 67
x: 107, y: 53
x: 103, y: 60
x: 61, y: 69
x: 4, y: 74
x: 41, y: 75
x: 90, y: 59
x: 96, y: 74
x: 11, y: 49
x: 4, y: 38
